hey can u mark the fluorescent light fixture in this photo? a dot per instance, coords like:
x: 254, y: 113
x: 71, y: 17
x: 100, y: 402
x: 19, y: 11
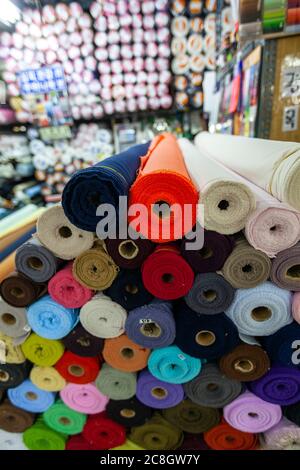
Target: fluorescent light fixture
x: 9, y: 12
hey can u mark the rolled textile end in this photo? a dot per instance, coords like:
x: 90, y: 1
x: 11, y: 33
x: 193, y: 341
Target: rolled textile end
x: 225, y: 437
x: 28, y: 397
x: 156, y: 393
x: 12, y: 375
x: 84, y: 398
x: 245, y: 363
x: 191, y: 417
x: 13, y: 320
x: 61, y: 418
x: 77, y: 369
x: 284, y: 436
x: 103, y: 433
x: 19, y: 291
x: 47, y: 378
x: 81, y: 342
x: 42, y: 351
x: 278, y: 345
x: 124, y: 354
x: 129, y: 253
x: 129, y: 412
x: 11, y: 354
x: 285, y: 271
x: 40, y: 437
x: 157, y: 434
x: 116, y: 384
x: 13, y: 419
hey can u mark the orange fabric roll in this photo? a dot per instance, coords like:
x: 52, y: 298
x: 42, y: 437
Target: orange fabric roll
x: 163, y: 179
x: 11, y: 237
x: 225, y: 437
x: 123, y: 354
x: 7, y: 266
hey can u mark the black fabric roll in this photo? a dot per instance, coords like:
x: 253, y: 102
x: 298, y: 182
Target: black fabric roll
x: 210, y: 294
x: 211, y: 257
x: 279, y: 345
x: 82, y: 343
x: 129, y: 253
x: 128, y: 290
x: 292, y: 412
x: 209, y: 336
x: 12, y: 375
x: 129, y: 412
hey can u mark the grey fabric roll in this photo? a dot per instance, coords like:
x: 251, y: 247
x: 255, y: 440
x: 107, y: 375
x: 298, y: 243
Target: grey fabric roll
x: 13, y: 320
x: 210, y: 294
x: 212, y: 388
x: 116, y: 384
x: 36, y: 262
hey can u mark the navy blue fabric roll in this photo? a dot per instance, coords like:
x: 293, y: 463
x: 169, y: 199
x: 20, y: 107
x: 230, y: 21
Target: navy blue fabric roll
x: 101, y: 184
x: 13, y: 246
x: 128, y: 290
x: 279, y: 346
x: 209, y: 337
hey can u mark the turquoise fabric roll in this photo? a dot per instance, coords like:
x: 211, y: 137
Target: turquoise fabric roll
x: 28, y: 397
x: 173, y: 366
x: 51, y: 320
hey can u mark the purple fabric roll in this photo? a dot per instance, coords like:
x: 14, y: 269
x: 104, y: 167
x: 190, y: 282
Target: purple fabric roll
x: 151, y: 326
x: 249, y: 413
x: 281, y: 385
x: 156, y: 393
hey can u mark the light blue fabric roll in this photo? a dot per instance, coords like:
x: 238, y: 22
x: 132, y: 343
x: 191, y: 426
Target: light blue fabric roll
x: 261, y: 311
x: 51, y: 320
x: 30, y: 398
x: 172, y: 365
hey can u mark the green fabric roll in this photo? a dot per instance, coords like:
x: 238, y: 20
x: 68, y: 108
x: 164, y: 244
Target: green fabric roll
x: 116, y: 384
x: 62, y: 419
x: 157, y: 434
x: 191, y: 417
x: 40, y: 437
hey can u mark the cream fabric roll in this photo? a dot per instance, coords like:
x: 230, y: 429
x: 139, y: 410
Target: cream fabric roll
x: 13, y: 320
x: 61, y: 237
x: 272, y: 165
x: 47, y: 378
x: 227, y: 201
x: 102, y: 317
x: 11, y: 440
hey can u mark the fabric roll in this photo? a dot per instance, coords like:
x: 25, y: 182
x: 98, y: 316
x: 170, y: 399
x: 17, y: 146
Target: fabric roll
x: 66, y: 291
x: 40, y: 437
x: 50, y: 320
x: 102, y: 317
x: 210, y: 294
x: 128, y: 290
x: 158, y: 394
x: 12, y: 375
x: 11, y: 441
x: 9, y: 249
x: 280, y: 385
x: 151, y: 326
x: 47, y: 378
x: 28, y: 397
x: 42, y: 351
x: 101, y: 183
x: 13, y: 419
x: 128, y: 445
x: 167, y: 275
x: 123, y: 354
x: 62, y: 238
x: 284, y: 436
x: 296, y: 307
x: 116, y: 384
x: 10, y: 352
x: 226, y: 201
x: 210, y: 336
x: 19, y: 291
x: 78, y: 442
x: 272, y: 165
x: 103, y: 433
x: 246, y: 267
x: 163, y: 181
x: 84, y: 398
x: 82, y: 343
x: 279, y: 345
x: 262, y: 310
x: 225, y: 437
x: 78, y: 369
x: 211, y: 388
x: 249, y: 413
x: 13, y: 320
x: 36, y: 262
x: 193, y: 442
x: 95, y: 269
x: 7, y: 266
x: 129, y: 412
x: 171, y: 365
x: 61, y: 418
x: 212, y: 256
x: 292, y: 413
x: 245, y: 363
x: 191, y: 417
x: 129, y: 253
x: 157, y: 434
x: 285, y: 270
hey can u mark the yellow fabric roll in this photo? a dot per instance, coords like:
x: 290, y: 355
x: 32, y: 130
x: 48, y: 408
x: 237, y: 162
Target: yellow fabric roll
x: 41, y: 351
x: 9, y: 353
x: 128, y: 445
x: 47, y: 378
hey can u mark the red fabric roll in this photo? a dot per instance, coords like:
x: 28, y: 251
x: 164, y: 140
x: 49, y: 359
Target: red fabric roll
x: 102, y: 433
x: 78, y: 443
x: 78, y: 369
x: 225, y: 437
x: 166, y: 275
x: 66, y: 291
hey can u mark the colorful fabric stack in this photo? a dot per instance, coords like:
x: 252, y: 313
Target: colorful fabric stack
x: 160, y: 343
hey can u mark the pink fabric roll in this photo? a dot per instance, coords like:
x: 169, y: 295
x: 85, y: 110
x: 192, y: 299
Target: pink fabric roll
x: 296, y: 307
x: 84, y: 398
x: 249, y: 413
x: 284, y: 436
x: 66, y: 291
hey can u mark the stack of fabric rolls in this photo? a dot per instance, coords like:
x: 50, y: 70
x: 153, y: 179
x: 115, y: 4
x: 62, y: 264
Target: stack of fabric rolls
x: 150, y: 342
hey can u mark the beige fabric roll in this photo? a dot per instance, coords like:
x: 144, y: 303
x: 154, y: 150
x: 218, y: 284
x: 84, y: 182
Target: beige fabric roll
x: 13, y: 320
x: 9, y: 352
x: 47, y: 378
x: 61, y: 237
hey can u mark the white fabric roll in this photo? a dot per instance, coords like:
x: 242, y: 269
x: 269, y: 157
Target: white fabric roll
x: 11, y: 441
x: 13, y: 320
